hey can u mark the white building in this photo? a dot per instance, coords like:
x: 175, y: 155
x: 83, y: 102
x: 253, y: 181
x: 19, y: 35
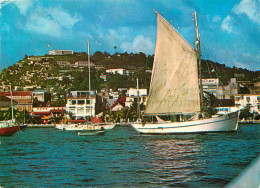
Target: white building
x: 81, y: 104
x: 228, y: 91
x: 210, y: 85
x: 60, y: 52
x: 116, y: 71
x: 83, y: 64
x: 132, y: 95
x: 113, y: 95
x: 133, y: 92
x: 248, y: 100
x: 41, y: 95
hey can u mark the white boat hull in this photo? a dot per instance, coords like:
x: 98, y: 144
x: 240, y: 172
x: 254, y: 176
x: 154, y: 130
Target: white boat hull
x: 91, y: 133
x: 223, y: 123
x: 90, y: 127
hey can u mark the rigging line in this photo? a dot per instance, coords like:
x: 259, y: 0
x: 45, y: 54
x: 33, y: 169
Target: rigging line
x: 205, y: 56
x: 217, y: 71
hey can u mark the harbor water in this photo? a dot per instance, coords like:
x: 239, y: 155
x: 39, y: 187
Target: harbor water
x: 46, y: 157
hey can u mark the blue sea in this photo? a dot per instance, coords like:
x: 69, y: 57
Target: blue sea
x: 46, y: 157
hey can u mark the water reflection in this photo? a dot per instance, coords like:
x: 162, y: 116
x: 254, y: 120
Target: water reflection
x: 175, y: 158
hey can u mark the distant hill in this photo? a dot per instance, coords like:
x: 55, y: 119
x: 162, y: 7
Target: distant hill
x: 43, y: 72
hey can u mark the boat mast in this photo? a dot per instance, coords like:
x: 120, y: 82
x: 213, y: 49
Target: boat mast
x: 197, y: 43
x: 12, y: 102
x: 89, y: 83
x: 138, y: 99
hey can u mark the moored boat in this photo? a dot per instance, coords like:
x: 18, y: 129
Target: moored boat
x: 90, y: 127
x: 91, y: 133
x: 8, y: 128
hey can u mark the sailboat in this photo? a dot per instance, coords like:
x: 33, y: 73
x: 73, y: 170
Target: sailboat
x: 9, y: 127
x: 175, y: 88
x: 88, y: 127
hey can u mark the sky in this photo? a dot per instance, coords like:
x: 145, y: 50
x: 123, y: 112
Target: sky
x: 229, y: 30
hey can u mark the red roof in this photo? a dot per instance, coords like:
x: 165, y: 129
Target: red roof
x: 16, y: 93
x: 57, y: 110
x: 78, y: 120
x: 122, y: 99
x: 117, y: 102
x: 96, y: 120
x: 41, y: 113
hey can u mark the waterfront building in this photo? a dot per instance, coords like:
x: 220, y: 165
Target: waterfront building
x: 23, y: 98
x: 41, y: 95
x: 224, y: 106
x: 210, y: 85
x: 47, y: 114
x: 60, y: 52
x: 81, y: 104
x: 228, y: 91
x: 251, y: 101
x: 5, y: 103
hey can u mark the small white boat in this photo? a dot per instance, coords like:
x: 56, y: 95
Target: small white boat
x: 91, y: 133
x: 90, y: 127
x: 64, y: 126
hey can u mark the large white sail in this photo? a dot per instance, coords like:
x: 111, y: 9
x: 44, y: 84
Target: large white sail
x: 174, y: 84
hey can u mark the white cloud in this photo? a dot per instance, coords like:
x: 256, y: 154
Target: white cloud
x: 42, y: 24
x: 4, y: 2
x: 249, y: 7
x: 61, y: 17
x: 226, y: 25
x: 216, y: 18
x: 24, y: 5
x: 113, y: 37
x: 139, y: 44
x: 50, y: 21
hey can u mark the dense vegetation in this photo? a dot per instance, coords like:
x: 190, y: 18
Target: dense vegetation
x: 77, y: 79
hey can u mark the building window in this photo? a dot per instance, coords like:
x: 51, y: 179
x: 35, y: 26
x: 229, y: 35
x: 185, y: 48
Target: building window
x: 73, y: 102
x: 88, y: 101
x: 80, y: 111
x: 81, y: 101
x: 237, y: 98
x: 248, y: 99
